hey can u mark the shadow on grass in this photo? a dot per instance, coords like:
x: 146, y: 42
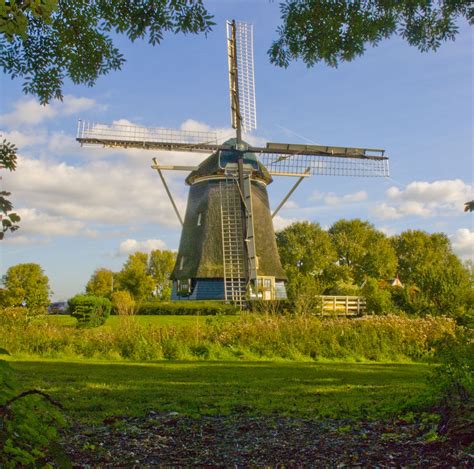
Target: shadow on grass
x: 94, y: 390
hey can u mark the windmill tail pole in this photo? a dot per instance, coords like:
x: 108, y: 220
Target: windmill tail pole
x: 156, y: 166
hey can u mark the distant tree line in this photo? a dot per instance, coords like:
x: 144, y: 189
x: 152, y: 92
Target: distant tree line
x: 143, y: 276
x: 352, y: 257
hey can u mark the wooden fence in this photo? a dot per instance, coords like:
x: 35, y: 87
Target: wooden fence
x: 342, y: 305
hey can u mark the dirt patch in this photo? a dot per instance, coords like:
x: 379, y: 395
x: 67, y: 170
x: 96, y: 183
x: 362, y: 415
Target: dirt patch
x: 240, y: 440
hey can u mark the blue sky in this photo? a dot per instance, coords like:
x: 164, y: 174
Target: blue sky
x: 84, y: 208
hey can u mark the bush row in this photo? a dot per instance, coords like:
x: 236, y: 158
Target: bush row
x: 188, y: 308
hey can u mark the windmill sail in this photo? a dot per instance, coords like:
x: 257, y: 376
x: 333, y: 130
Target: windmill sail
x: 134, y: 136
x: 241, y: 75
x: 295, y: 159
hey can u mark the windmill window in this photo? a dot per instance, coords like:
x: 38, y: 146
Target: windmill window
x: 181, y: 263
x: 199, y: 219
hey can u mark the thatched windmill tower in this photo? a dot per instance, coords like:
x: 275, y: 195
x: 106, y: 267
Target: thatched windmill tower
x: 227, y: 249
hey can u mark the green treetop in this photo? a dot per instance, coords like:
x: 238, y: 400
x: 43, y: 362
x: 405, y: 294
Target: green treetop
x: 26, y: 285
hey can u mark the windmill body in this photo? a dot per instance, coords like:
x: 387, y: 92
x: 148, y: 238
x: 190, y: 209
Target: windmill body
x: 223, y: 253
x: 228, y: 249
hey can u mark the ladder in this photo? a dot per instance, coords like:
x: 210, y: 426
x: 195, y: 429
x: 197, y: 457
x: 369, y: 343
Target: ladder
x: 233, y: 251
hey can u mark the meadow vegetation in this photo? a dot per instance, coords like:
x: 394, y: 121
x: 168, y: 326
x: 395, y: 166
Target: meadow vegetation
x: 248, y: 336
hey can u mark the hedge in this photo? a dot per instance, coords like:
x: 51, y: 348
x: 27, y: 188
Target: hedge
x: 89, y: 310
x: 185, y: 307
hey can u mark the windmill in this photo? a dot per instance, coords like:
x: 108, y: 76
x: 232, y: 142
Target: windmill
x: 228, y: 249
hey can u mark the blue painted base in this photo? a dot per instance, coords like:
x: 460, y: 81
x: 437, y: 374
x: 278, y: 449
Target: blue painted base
x: 213, y: 289
x: 204, y: 289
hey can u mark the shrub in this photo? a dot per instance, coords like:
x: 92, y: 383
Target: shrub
x: 188, y: 308
x: 378, y: 299
x: 123, y: 303
x: 90, y: 311
x: 454, y: 378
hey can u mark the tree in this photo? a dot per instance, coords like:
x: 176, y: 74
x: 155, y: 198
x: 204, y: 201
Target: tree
x: 27, y: 285
x: 8, y: 218
x: 436, y: 281
x: 45, y: 42
x: 338, y: 31
x: 418, y: 251
x: 160, y: 266
x: 308, y: 258
x: 365, y: 251
x: 134, y: 277
x: 101, y: 283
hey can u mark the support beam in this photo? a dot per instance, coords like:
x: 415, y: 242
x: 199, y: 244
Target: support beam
x: 298, y: 182
x: 157, y: 167
x: 174, y: 168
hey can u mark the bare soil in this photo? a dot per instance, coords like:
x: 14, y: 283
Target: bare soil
x: 239, y: 440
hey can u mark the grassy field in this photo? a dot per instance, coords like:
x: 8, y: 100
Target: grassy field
x: 91, y: 391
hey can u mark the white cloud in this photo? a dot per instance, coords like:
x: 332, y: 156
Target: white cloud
x: 30, y: 112
x: 27, y: 111
x: 463, y: 243
x: 35, y: 222
x: 330, y: 198
x: 72, y: 105
x: 62, y: 144
x: 26, y: 139
x: 192, y: 125
x: 130, y: 246
x: 280, y: 223
x: 425, y: 199
x: 111, y: 193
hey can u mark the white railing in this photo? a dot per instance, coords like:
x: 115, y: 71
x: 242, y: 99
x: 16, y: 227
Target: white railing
x: 342, y: 305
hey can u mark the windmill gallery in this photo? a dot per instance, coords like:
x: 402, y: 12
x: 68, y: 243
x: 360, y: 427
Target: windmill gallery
x: 227, y: 249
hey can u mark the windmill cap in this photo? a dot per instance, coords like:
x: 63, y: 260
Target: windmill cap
x: 215, y: 164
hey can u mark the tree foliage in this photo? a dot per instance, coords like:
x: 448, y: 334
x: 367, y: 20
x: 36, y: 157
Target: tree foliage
x: 44, y: 42
x: 160, y: 266
x: 134, y: 277
x: 9, y: 219
x: 353, y: 258
x: 436, y: 280
x: 338, y: 31
x: 26, y: 285
x: 308, y: 258
x: 364, y: 250
x: 89, y: 310
x: 101, y: 283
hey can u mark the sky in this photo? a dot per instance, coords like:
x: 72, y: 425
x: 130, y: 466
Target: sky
x: 86, y: 208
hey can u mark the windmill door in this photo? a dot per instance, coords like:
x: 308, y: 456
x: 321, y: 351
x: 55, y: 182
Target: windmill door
x: 266, y: 288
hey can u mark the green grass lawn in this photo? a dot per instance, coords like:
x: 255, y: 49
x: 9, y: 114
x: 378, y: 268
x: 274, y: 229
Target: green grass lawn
x: 159, y: 320
x: 92, y: 390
